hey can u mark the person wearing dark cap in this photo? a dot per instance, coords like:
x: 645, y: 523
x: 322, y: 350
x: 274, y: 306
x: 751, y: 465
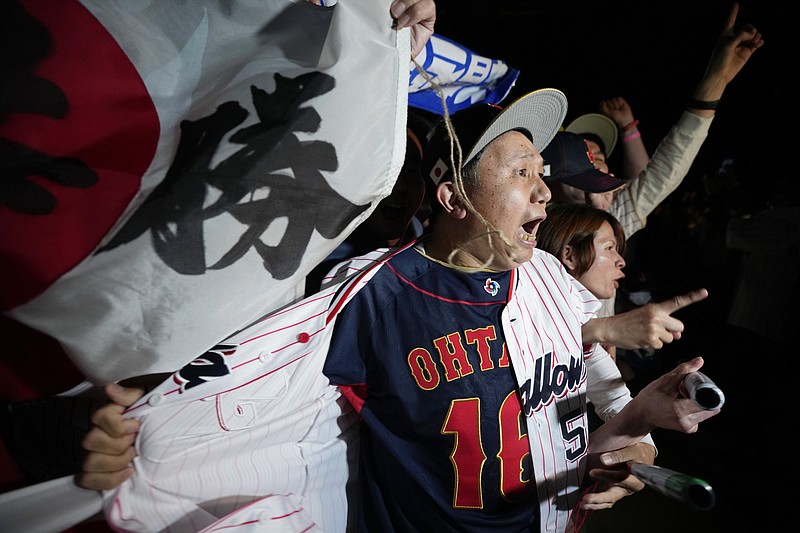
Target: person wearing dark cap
x: 571, y: 175
x: 461, y: 353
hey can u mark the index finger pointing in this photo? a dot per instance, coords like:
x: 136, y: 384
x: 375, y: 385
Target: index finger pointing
x: 684, y: 300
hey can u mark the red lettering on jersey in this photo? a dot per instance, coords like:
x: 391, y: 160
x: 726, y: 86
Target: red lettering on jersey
x: 480, y: 338
x: 464, y: 422
x: 503, y: 362
x: 423, y: 369
x: 514, y: 447
x: 453, y: 356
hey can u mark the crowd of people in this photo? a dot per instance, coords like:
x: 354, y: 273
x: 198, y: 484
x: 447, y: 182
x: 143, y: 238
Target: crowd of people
x: 478, y: 349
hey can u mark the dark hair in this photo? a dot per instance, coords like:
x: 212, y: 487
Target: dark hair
x: 575, y: 225
x: 420, y: 126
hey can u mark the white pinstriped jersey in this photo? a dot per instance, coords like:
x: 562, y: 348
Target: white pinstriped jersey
x: 544, y: 316
x: 250, y: 424
x: 253, y: 428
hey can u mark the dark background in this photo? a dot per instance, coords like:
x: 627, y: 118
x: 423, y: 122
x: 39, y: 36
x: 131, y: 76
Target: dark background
x: 654, y: 54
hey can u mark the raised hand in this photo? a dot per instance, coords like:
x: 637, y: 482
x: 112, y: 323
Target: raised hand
x: 734, y: 48
x: 420, y: 16
x: 618, y: 110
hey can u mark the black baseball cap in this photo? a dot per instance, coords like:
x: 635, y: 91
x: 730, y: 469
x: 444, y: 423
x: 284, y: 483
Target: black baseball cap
x: 567, y: 159
x: 537, y: 114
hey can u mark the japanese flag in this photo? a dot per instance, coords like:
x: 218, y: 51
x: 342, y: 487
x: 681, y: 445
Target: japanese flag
x: 172, y: 170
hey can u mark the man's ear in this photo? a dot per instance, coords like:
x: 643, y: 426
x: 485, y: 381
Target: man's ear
x: 450, y: 200
x: 567, y: 257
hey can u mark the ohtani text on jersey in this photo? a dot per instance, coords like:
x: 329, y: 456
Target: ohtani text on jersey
x: 549, y: 382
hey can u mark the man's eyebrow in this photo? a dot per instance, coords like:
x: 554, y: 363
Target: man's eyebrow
x: 521, y: 150
x: 524, y: 154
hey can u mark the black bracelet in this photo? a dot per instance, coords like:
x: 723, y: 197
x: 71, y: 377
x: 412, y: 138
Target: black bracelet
x: 700, y: 104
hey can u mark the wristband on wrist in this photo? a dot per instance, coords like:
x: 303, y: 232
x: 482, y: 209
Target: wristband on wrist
x: 632, y: 124
x: 703, y: 104
x: 631, y: 136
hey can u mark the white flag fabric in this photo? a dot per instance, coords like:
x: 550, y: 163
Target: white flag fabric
x: 173, y: 170
x: 466, y: 78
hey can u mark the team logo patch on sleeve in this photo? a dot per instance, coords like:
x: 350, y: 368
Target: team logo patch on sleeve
x: 491, y: 286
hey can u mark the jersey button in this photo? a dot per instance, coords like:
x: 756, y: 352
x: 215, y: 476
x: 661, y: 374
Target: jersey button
x: 155, y: 399
x: 303, y: 337
x: 263, y: 356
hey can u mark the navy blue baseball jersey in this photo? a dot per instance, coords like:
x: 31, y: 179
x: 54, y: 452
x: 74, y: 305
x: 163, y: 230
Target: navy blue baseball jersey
x: 444, y: 445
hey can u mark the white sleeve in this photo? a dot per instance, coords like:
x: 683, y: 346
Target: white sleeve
x: 666, y: 170
x: 605, y: 388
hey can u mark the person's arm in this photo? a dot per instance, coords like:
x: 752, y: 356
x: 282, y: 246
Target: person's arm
x: 661, y: 404
x: 649, y: 326
x: 732, y: 51
x: 606, y: 389
x: 675, y: 154
x: 609, y: 394
x: 634, y: 153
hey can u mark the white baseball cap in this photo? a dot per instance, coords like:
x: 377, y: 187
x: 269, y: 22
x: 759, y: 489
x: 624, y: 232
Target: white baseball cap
x: 599, y: 125
x: 537, y: 114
